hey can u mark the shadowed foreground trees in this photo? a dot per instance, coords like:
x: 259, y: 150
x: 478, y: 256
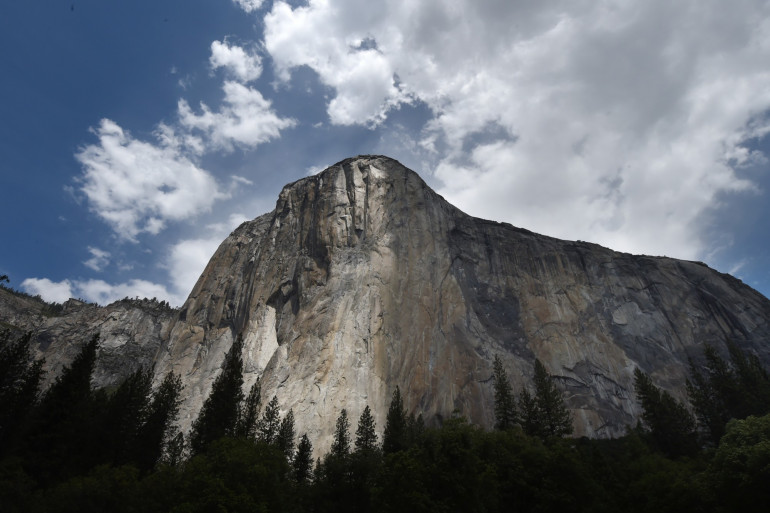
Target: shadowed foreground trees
x: 255, y: 466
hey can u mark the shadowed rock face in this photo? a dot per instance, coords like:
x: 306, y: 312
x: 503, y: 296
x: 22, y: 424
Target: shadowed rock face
x: 130, y: 332
x: 363, y: 278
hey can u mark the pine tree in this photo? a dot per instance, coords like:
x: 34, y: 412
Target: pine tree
x: 530, y: 416
x: 394, y: 437
x: 249, y: 415
x: 303, y: 460
x: 219, y: 415
x: 366, y: 437
x: 126, y: 412
x: 341, y: 443
x: 155, y: 434
x: 671, y: 425
x: 269, y: 424
x: 554, y: 417
x: 285, y: 438
x: 63, y: 430
x: 544, y: 415
x: 20, y: 376
x: 724, y: 391
x: 505, y: 403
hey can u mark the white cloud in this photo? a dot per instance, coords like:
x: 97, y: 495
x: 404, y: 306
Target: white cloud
x: 245, y: 120
x: 53, y: 292
x: 615, y: 122
x: 99, y: 259
x: 137, y: 186
x: 245, y: 67
x: 248, y: 5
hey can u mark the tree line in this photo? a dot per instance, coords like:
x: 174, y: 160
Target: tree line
x: 76, y: 448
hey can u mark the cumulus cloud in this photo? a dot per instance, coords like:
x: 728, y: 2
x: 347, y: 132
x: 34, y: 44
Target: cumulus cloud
x: 99, y: 259
x: 244, y: 66
x: 51, y: 291
x: 619, y: 122
x: 137, y: 186
x: 246, y: 119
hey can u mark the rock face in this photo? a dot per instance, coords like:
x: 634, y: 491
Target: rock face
x: 363, y: 279
x: 130, y: 332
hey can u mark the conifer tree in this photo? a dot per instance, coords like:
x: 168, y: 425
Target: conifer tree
x: 155, y: 434
x: 554, y: 418
x: 285, y: 438
x: 723, y: 391
x: 63, y: 429
x: 219, y: 415
x: 530, y: 416
x: 303, y: 460
x: 505, y: 403
x: 394, y: 437
x: 671, y: 425
x: 126, y: 412
x: 366, y: 437
x: 20, y: 376
x: 341, y: 443
x: 249, y: 415
x: 270, y: 423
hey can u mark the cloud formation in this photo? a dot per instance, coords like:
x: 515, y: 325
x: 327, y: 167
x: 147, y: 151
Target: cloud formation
x: 246, y: 119
x: 137, y: 186
x: 99, y: 259
x: 620, y: 123
x: 242, y: 65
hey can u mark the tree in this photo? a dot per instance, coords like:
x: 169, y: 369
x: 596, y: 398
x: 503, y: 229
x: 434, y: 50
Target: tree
x: 724, y: 391
x: 530, y: 416
x: 303, y: 460
x: 219, y: 415
x: 63, y: 431
x: 155, y: 435
x: 394, y: 437
x: 269, y: 424
x: 285, y: 438
x: 126, y: 413
x: 249, y: 415
x: 554, y: 417
x: 741, y: 464
x: 20, y: 376
x: 671, y: 425
x: 366, y: 437
x: 341, y: 443
x: 505, y: 403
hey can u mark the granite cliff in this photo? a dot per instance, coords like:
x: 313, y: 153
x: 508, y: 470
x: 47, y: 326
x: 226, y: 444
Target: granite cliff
x: 363, y: 278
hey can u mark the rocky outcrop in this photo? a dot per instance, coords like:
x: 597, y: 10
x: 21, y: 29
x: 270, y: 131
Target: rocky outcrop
x: 130, y: 332
x: 363, y: 279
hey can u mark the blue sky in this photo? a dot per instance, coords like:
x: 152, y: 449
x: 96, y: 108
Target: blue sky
x: 136, y: 135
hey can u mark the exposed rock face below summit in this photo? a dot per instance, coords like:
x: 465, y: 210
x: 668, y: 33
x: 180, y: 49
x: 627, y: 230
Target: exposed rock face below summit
x: 363, y: 278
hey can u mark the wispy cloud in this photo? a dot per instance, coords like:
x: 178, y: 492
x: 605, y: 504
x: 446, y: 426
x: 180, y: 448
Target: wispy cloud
x: 99, y: 259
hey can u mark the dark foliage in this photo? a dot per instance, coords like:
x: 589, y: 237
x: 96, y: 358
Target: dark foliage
x: 506, y: 415
x: 671, y: 425
x: 219, y: 414
x: 724, y: 390
x: 395, y: 436
x: 20, y: 376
